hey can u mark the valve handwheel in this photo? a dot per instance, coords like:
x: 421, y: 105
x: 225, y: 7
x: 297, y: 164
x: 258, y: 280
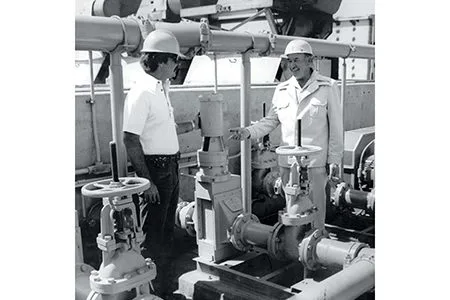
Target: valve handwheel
x: 297, y: 150
x: 109, y: 188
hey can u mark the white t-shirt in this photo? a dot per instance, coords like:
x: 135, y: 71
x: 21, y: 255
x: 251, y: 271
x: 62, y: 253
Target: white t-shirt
x: 149, y: 114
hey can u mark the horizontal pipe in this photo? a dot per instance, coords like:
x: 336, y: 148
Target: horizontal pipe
x: 349, y: 283
x: 360, y: 199
x: 257, y: 234
x: 104, y: 34
x: 332, y: 252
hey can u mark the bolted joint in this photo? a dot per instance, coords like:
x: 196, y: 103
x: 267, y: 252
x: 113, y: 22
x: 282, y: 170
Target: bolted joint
x: 237, y: 230
x: 339, y: 194
x: 293, y: 190
x: 307, y: 249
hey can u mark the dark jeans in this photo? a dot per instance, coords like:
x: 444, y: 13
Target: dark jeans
x: 160, y: 218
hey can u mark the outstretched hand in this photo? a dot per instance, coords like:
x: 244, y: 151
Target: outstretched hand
x: 239, y: 133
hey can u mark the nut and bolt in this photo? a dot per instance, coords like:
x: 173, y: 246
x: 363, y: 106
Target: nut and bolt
x: 94, y: 273
x: 108, y: 237
x: 111, y: 280
x: 140, y: 271
x: 97, y: 278
x: 127, y: 276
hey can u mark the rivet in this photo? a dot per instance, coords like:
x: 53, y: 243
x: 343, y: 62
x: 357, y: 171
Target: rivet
x: 127, y: 276
x: 140, y: 271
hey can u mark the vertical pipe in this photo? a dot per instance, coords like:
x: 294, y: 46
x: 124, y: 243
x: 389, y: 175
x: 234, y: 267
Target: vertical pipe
x: 299, y: 132
x: 215, y: 74
x: 343, y: 90
x: 94, y: 111
x: 117, y: 102
x: 245, y: 144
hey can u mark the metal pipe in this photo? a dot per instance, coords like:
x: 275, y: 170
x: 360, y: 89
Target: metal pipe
x: 271, y: 20
x: 349, y: 283
x: 256, y: 234
x: 360, y: 199
x: 104, y: 34
x: 246, y: 158
x: 249, y: 19
x: 215, y: 74
x: 117, y: 102
x: 331, y: 252
x: 343, y: 90
x: 94, y: 111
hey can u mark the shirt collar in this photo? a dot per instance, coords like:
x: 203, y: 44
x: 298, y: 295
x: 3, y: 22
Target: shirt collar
x: 311, y: 79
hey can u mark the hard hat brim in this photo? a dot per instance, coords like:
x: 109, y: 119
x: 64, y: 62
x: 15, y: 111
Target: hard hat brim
x: 180, y: 55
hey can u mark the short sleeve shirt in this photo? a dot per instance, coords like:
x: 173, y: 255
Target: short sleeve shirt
x: 148, y: 113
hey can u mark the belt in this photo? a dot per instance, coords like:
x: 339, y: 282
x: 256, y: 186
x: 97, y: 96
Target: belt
x: 162, y: 160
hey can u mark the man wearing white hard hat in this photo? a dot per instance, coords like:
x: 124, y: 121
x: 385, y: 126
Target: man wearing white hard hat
x: 314, y: 99
x: 150, y: 137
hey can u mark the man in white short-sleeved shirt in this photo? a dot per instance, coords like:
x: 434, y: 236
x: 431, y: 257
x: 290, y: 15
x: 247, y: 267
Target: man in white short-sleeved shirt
x: 150, y: 137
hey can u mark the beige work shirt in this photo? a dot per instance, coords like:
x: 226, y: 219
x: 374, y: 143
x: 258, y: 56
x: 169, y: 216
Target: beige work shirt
x: 317, y: 104
x: 148, y: 113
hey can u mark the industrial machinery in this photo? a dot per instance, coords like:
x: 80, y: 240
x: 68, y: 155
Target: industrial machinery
x: 241, y: 252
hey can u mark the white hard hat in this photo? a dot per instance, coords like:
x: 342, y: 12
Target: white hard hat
x: 297, y: 46
x: 163, y: 41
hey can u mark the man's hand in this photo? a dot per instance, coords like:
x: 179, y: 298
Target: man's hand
x: 333, y: 172
x: 239, y: 133
x: 151, y: 195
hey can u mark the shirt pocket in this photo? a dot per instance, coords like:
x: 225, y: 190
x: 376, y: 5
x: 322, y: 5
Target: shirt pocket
x: 318, y: 109
x: 282, y: 108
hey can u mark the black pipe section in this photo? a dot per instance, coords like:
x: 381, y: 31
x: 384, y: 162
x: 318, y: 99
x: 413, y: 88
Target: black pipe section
x: 299, y: 132
x: 113, y: 153
x: 266, y: 137
x: 358, y: 199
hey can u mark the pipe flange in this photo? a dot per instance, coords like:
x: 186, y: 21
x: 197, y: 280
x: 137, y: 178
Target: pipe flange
x: 307, y: 249
x: 274, y: 242
x: 298, y: 219
x: 371, y: 201
x: 355, y: 254
x: 367, y: 258
x: 180, y: 206
x: 339, y: 193
x: 237, y: 231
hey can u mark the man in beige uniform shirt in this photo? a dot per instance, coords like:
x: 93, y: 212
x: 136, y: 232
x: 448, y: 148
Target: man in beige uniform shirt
x: 150, y: 137
x: 314, y: 99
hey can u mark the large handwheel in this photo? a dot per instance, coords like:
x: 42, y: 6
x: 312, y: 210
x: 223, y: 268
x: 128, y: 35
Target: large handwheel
x: 297, y: 150
x: 108, y: 188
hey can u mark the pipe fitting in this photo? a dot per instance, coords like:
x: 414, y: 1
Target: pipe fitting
x: 184, y: 217
x: 307, y: 249
x: 238, y: 229
x: 205, y: 34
